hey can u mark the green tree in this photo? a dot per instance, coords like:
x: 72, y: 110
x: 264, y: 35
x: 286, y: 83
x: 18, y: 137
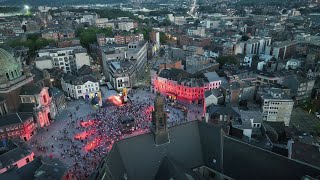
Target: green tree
x: 222, y: 60
x: 163, y: 38
x: 89, y: 35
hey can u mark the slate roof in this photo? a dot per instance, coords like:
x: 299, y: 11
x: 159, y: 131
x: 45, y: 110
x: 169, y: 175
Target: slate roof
x: 174, y: 74
x: 126, y: 153
x: 306, y: 153
x: 195, y: 144
x: 171, y: 169
x: 71, y: 79
x: 26, y: 107
x: 40, y: 168
x: 14, y: 118
x: 14, y: 155
x: 30, y: 90
x: 85, y: 70
x: 55, y: 92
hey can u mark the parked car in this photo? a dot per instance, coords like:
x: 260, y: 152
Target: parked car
x: 317, y: 114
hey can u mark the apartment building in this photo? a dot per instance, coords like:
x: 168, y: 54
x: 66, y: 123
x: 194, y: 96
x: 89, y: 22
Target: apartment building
x: 135, y: 52
x: 69, y: 59
x: 301, y: 88
x: 276, y: 105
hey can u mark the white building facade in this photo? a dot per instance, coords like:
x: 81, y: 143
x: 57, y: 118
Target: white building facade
x: 69, y: 59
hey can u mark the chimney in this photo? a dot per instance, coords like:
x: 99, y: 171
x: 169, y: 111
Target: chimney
x: 289, y: 146
x: 159, y: 122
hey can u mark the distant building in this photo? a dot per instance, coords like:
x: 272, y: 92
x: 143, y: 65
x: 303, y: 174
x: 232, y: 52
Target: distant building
x: 85, y: 86
x: 281, y: 50
x: 276, y: 105
x: 58, y: 33
x: 255, y: 46
x: 126, y: 39
x: 301, y: 88
x: 102, y: 22
x: 69, y: 59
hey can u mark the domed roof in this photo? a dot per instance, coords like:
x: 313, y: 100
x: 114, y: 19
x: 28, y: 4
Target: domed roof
x: 8, y: 65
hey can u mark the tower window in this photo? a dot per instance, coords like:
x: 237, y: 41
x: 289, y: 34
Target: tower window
x: 7, y: 76
x: 12, y: 74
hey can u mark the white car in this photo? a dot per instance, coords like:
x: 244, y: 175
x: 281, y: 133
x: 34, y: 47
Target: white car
x: 317, y: 114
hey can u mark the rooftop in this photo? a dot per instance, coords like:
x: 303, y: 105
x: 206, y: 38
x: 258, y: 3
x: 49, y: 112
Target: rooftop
x: 203, y: 145
x: 14, y: 118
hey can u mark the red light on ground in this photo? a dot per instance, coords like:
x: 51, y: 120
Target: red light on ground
x: 87, y: 123
x: 116, y: 100
x: 83, y: 135
x: 92, y: 145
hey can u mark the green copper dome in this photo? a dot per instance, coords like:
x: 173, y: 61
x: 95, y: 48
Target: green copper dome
x: 9, y: 68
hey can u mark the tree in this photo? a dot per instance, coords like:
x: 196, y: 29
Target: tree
x: 222, y: 60
x: 89, y: 35
x: 245, y: 38
x: 163, y: 38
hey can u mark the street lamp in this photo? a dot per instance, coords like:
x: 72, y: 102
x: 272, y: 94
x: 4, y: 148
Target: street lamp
x: 26, y: 7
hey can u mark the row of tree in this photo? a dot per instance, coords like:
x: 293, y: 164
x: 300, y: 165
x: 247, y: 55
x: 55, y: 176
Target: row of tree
x: 88, y: 35
x: 34, y: 42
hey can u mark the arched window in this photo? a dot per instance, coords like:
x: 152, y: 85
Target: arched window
x: 7, y: 76
x: 16, y: 72
x: 12, y: 74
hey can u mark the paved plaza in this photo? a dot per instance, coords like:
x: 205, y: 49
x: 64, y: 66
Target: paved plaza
x: 81, y: 135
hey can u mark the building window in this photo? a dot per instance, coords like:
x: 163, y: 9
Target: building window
x: 27, y: 160
x: 79, y: 91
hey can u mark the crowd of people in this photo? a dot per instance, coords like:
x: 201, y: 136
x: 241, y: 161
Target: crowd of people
x: 86, y: 139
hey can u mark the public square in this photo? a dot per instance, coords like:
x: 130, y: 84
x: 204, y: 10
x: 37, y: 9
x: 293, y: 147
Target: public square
x: 82, y: 134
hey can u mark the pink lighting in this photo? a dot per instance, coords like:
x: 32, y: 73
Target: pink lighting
x: 84, y: 135
x: 115, y: 100
x: 87, y: 123
x: 92, y: 145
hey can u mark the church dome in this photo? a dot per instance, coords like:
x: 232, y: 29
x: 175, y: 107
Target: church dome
x: 9, y: 67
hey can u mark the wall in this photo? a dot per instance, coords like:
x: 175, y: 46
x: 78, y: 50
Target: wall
x: 82, y: 59
x: 44, y: 64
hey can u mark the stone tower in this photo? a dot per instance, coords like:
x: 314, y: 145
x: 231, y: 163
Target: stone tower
x: 47, y: 78
x: 159, y: 121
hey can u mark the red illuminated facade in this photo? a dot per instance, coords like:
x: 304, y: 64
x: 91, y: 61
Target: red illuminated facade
x: 17, y: 125
x: 177, y: 84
